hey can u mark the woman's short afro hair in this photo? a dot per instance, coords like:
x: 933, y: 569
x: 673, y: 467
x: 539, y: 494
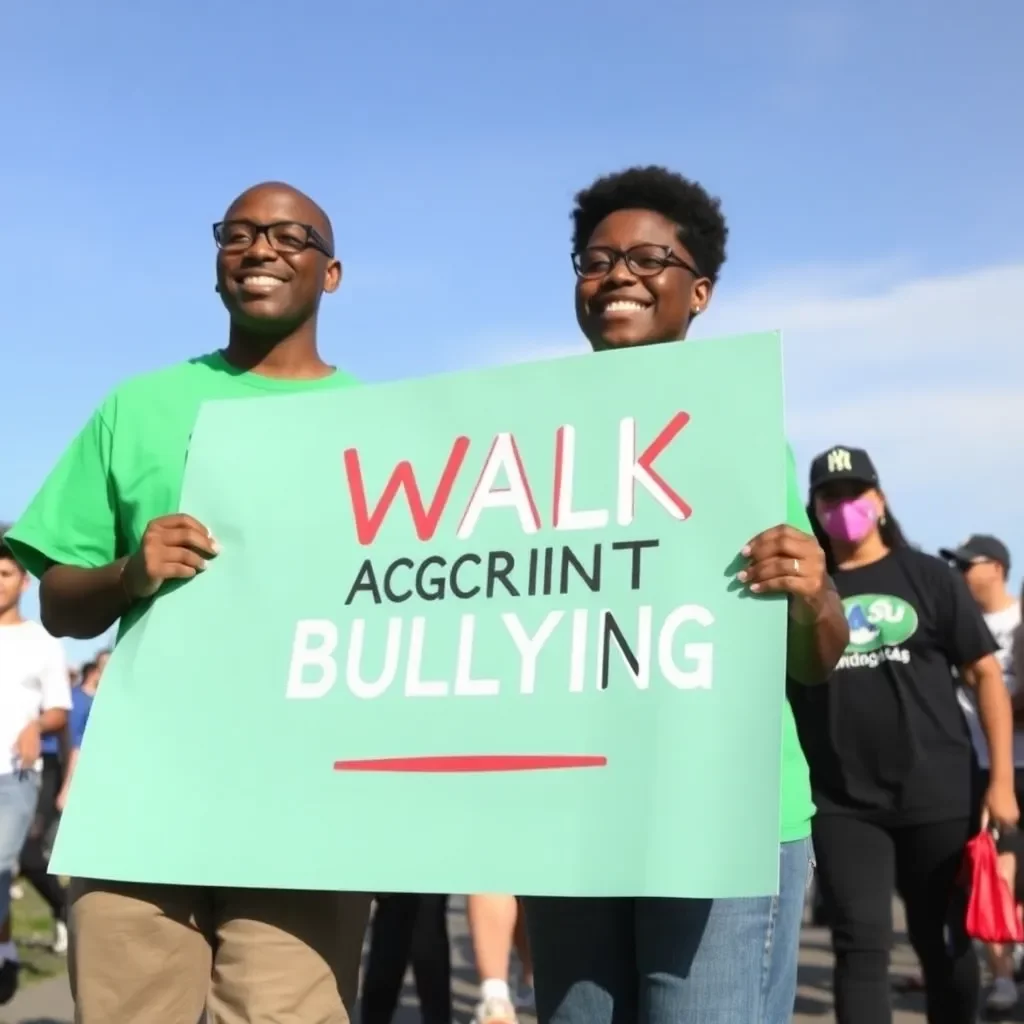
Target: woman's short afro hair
x: 702, y: 227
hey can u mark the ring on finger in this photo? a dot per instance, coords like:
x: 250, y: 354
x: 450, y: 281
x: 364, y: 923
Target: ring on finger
x: 796, y: 566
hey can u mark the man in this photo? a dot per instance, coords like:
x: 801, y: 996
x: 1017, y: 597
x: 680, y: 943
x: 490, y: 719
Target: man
x: 104, y: 534
x: 34, y: 701
x: 985, y: 563
x: 35, y: 854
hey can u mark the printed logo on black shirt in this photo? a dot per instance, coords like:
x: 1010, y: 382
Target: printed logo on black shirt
x: 879, y: 624
x: 886, y: 736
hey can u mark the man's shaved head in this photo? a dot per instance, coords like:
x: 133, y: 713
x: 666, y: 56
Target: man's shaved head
x: 312, y: 212
x: 271, y: 279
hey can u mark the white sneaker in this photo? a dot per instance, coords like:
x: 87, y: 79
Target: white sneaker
x: 60, y: 938
x: 495, y: 1011
x: 1002, y: 996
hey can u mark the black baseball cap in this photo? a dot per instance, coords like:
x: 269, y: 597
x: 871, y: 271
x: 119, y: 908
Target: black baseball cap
x: 979, y: 546
x: 841, y: 462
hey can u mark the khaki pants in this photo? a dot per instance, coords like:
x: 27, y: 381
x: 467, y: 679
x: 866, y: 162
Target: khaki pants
x: 157, y: 954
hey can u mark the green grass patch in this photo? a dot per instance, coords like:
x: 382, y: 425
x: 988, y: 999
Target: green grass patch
x: 33, y: 932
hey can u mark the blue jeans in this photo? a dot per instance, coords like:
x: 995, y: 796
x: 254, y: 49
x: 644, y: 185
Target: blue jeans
x: 18, y: 794
x: 671, y: 961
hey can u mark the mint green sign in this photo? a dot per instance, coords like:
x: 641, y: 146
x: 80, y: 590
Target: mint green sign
x: 473, y: 633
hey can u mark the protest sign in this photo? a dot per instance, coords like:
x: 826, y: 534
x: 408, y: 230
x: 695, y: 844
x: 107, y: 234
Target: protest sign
x: 473, y: 633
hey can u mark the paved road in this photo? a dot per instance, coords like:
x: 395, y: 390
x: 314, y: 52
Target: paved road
x: 814, y: 995
x: 50, y: 1002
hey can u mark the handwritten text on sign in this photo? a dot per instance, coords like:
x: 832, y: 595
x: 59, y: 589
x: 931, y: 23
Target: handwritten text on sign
x: 547, y: 571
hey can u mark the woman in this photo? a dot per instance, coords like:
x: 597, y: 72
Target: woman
x: 892, y: 768
x: 495, y: 928
x: 648, y: 246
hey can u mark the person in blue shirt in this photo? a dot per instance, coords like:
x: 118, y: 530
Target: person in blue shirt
x: 81, y: 704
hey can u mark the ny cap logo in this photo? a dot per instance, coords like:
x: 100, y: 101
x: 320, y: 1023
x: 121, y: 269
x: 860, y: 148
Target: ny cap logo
x: 839, y: 460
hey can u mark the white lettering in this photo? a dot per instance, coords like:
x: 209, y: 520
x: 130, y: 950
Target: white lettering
x: 320, y: 656
x: 698, y: 678
x: 882, y: 610
x: 839, y: 461
x: 633, y: 472
x: 370, y: 688
x: 465, y: 684
x: 530, y: 647
x: 517, y: 495
x: 314, y: 663
x: 415, y: 684
x: 565, y: 516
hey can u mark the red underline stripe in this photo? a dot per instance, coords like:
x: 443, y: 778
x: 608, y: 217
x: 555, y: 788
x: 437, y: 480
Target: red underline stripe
x: 450, y: 763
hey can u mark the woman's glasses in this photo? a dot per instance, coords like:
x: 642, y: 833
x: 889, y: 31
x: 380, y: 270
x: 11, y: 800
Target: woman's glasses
x: 641, y: 260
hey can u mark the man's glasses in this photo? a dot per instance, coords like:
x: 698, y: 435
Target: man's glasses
x: 641, y: 260
x: 284, y: 236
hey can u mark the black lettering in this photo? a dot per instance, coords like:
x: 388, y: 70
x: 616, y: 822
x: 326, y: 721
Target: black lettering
x: 636, y: 546
x: 549, y: 567
x: 591, y: 579
x: 610, y: 629
x: 457, y: 588
x: 391, y: 594
x: 369, y: 583
x: 499, y: 565
x: 435, y: 583
x: 532, y: 575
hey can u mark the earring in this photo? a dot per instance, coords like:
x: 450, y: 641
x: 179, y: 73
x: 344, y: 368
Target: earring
x: 882, y: 520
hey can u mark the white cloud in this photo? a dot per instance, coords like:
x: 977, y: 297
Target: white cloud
x: 914, y: 318
x: 927, y: 364
x: 926, y: 372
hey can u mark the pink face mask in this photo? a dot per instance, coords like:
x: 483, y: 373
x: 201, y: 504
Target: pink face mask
x: 850, y: 519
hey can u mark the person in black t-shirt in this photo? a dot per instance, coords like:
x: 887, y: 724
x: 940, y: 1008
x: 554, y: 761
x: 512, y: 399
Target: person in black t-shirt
x: 892, y: 767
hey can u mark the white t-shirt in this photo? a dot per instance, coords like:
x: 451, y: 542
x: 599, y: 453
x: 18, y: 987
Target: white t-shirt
x: 33, y: 679
x: 1003, y: 625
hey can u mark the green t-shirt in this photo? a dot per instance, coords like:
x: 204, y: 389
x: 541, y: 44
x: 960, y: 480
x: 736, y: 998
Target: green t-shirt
x: 797, y: 805
x: 126, y: 466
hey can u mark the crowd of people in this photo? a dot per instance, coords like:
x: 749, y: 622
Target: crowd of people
x: 898, y: 738
x: 44, y: 707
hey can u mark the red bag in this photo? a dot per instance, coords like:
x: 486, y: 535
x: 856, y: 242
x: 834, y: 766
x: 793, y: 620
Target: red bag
x: 991, y: 909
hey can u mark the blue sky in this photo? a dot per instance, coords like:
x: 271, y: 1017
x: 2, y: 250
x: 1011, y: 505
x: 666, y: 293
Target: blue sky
x: 868, y: 156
